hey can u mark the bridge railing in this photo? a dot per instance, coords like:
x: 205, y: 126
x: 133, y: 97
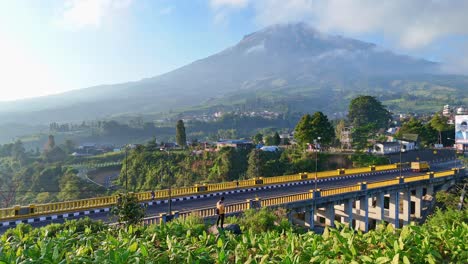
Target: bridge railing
x: 335, y: 191
x: 32, y: 210
x: 282, y: 200
x: 286, y: 199
x: 240, y: 207
x: 382, y: 183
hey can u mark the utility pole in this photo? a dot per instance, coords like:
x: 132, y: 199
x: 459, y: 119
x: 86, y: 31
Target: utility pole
x: 400, y: 159
x: 316, y: 162
x: 170, y: 191
x: 126, y: 169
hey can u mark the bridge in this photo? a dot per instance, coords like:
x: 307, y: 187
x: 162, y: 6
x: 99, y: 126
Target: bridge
x: 362, y: 205
x: 354, y: 196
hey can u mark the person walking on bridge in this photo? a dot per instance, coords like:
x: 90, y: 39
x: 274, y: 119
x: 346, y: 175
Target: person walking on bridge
x: 220, y: 212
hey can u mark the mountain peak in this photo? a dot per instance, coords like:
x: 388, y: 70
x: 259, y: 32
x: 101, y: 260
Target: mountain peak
x: 298, y: 38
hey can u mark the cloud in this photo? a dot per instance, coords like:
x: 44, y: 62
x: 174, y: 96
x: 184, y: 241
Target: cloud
x: 412, y: 24
x: 457, y: 61
x: 222, y: 8
x: 78, y: 14
x: 215, y: 4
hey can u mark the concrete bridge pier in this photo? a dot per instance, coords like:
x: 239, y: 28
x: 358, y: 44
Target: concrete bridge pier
x: 394, y: 208
x: 379, y: 208
x: 417, y: 199
x: 310, y: 217
x: 329, y: 215
x: 362, y: 212
x: 348, y: 210
x: 406, y: 197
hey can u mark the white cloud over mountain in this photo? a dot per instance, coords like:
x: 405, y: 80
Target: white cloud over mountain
x: 78, y: 14
x: 412, y: 24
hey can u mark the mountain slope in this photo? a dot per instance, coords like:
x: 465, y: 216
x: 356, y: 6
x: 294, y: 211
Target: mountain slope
x: 282, y: 61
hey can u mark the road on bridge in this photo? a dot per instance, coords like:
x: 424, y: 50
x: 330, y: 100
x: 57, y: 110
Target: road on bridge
x: 207, y: 202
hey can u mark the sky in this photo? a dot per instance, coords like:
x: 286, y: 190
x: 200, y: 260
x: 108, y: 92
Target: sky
x: 53, y: 46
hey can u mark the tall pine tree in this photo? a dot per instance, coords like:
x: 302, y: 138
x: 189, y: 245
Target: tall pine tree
x: 181, y: 137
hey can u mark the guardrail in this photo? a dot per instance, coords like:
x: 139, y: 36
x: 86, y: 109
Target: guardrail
x: 95, y: 165
x: 34, y: 210
x: 300, y: 197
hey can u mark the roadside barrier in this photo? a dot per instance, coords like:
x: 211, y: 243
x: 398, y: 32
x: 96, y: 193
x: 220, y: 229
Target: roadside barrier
x: 36, y: 210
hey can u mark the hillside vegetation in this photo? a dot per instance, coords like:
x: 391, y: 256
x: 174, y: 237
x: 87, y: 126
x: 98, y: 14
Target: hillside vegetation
x: 441, y: 240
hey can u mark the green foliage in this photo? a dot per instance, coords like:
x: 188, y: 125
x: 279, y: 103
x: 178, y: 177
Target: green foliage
x: 364, y: 160
x: 441, y: 240
x: 339, y: 128
x: 269, y: 141
x: 55, y: 154
x: 310, y: 128
x: 439, y: 123
x: 364, y: 110
x: 427, y: 134
x: 304, y: 130
x: 254, y: 164
x: 263, y: 220
x: 276, y: 139
x: 128, y: 210
x: 258, y: 138
x: 361, y: 135
x: 181, y: 137
x: 230, y: 164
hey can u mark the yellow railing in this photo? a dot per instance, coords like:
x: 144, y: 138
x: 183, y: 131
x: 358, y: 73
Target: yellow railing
x: 221, y: 186
x: 247, y: 183
x: 6, y: 213
x: 443, y: 174
x: 281, y: 179
x: 99, y: 202
x: 358, y: 170
x: 232, y: 208
x: 341, y: 190
x: 208, y: 212
x: 323, y: 174
x: 382, y: 183
x: 386, y: 167
x: 286, y: 199
x: 417, y: 178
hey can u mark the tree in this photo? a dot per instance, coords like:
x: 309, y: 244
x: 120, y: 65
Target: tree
x: 181, y: 137
x: 258, y: 138
x: 322, y: 128
x: 439, y: 123
x: 254, y: 164
x: 269, y: 141
x: 50, y: 143
x: 360, y: 135
x: 18, y: 152
x: 339, y: 129
x: 311, y: 128
x: 426, y: 132
x: 68, y: 146
x: 368, y: 111
x: 128, y: 209
x: 276, y: 139
x: 151, y: 145
x: 55, y: 154
x: 303, y: 130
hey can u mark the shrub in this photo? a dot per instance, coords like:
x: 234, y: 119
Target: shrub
x: 263, y: 220
x: 128, y: 210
